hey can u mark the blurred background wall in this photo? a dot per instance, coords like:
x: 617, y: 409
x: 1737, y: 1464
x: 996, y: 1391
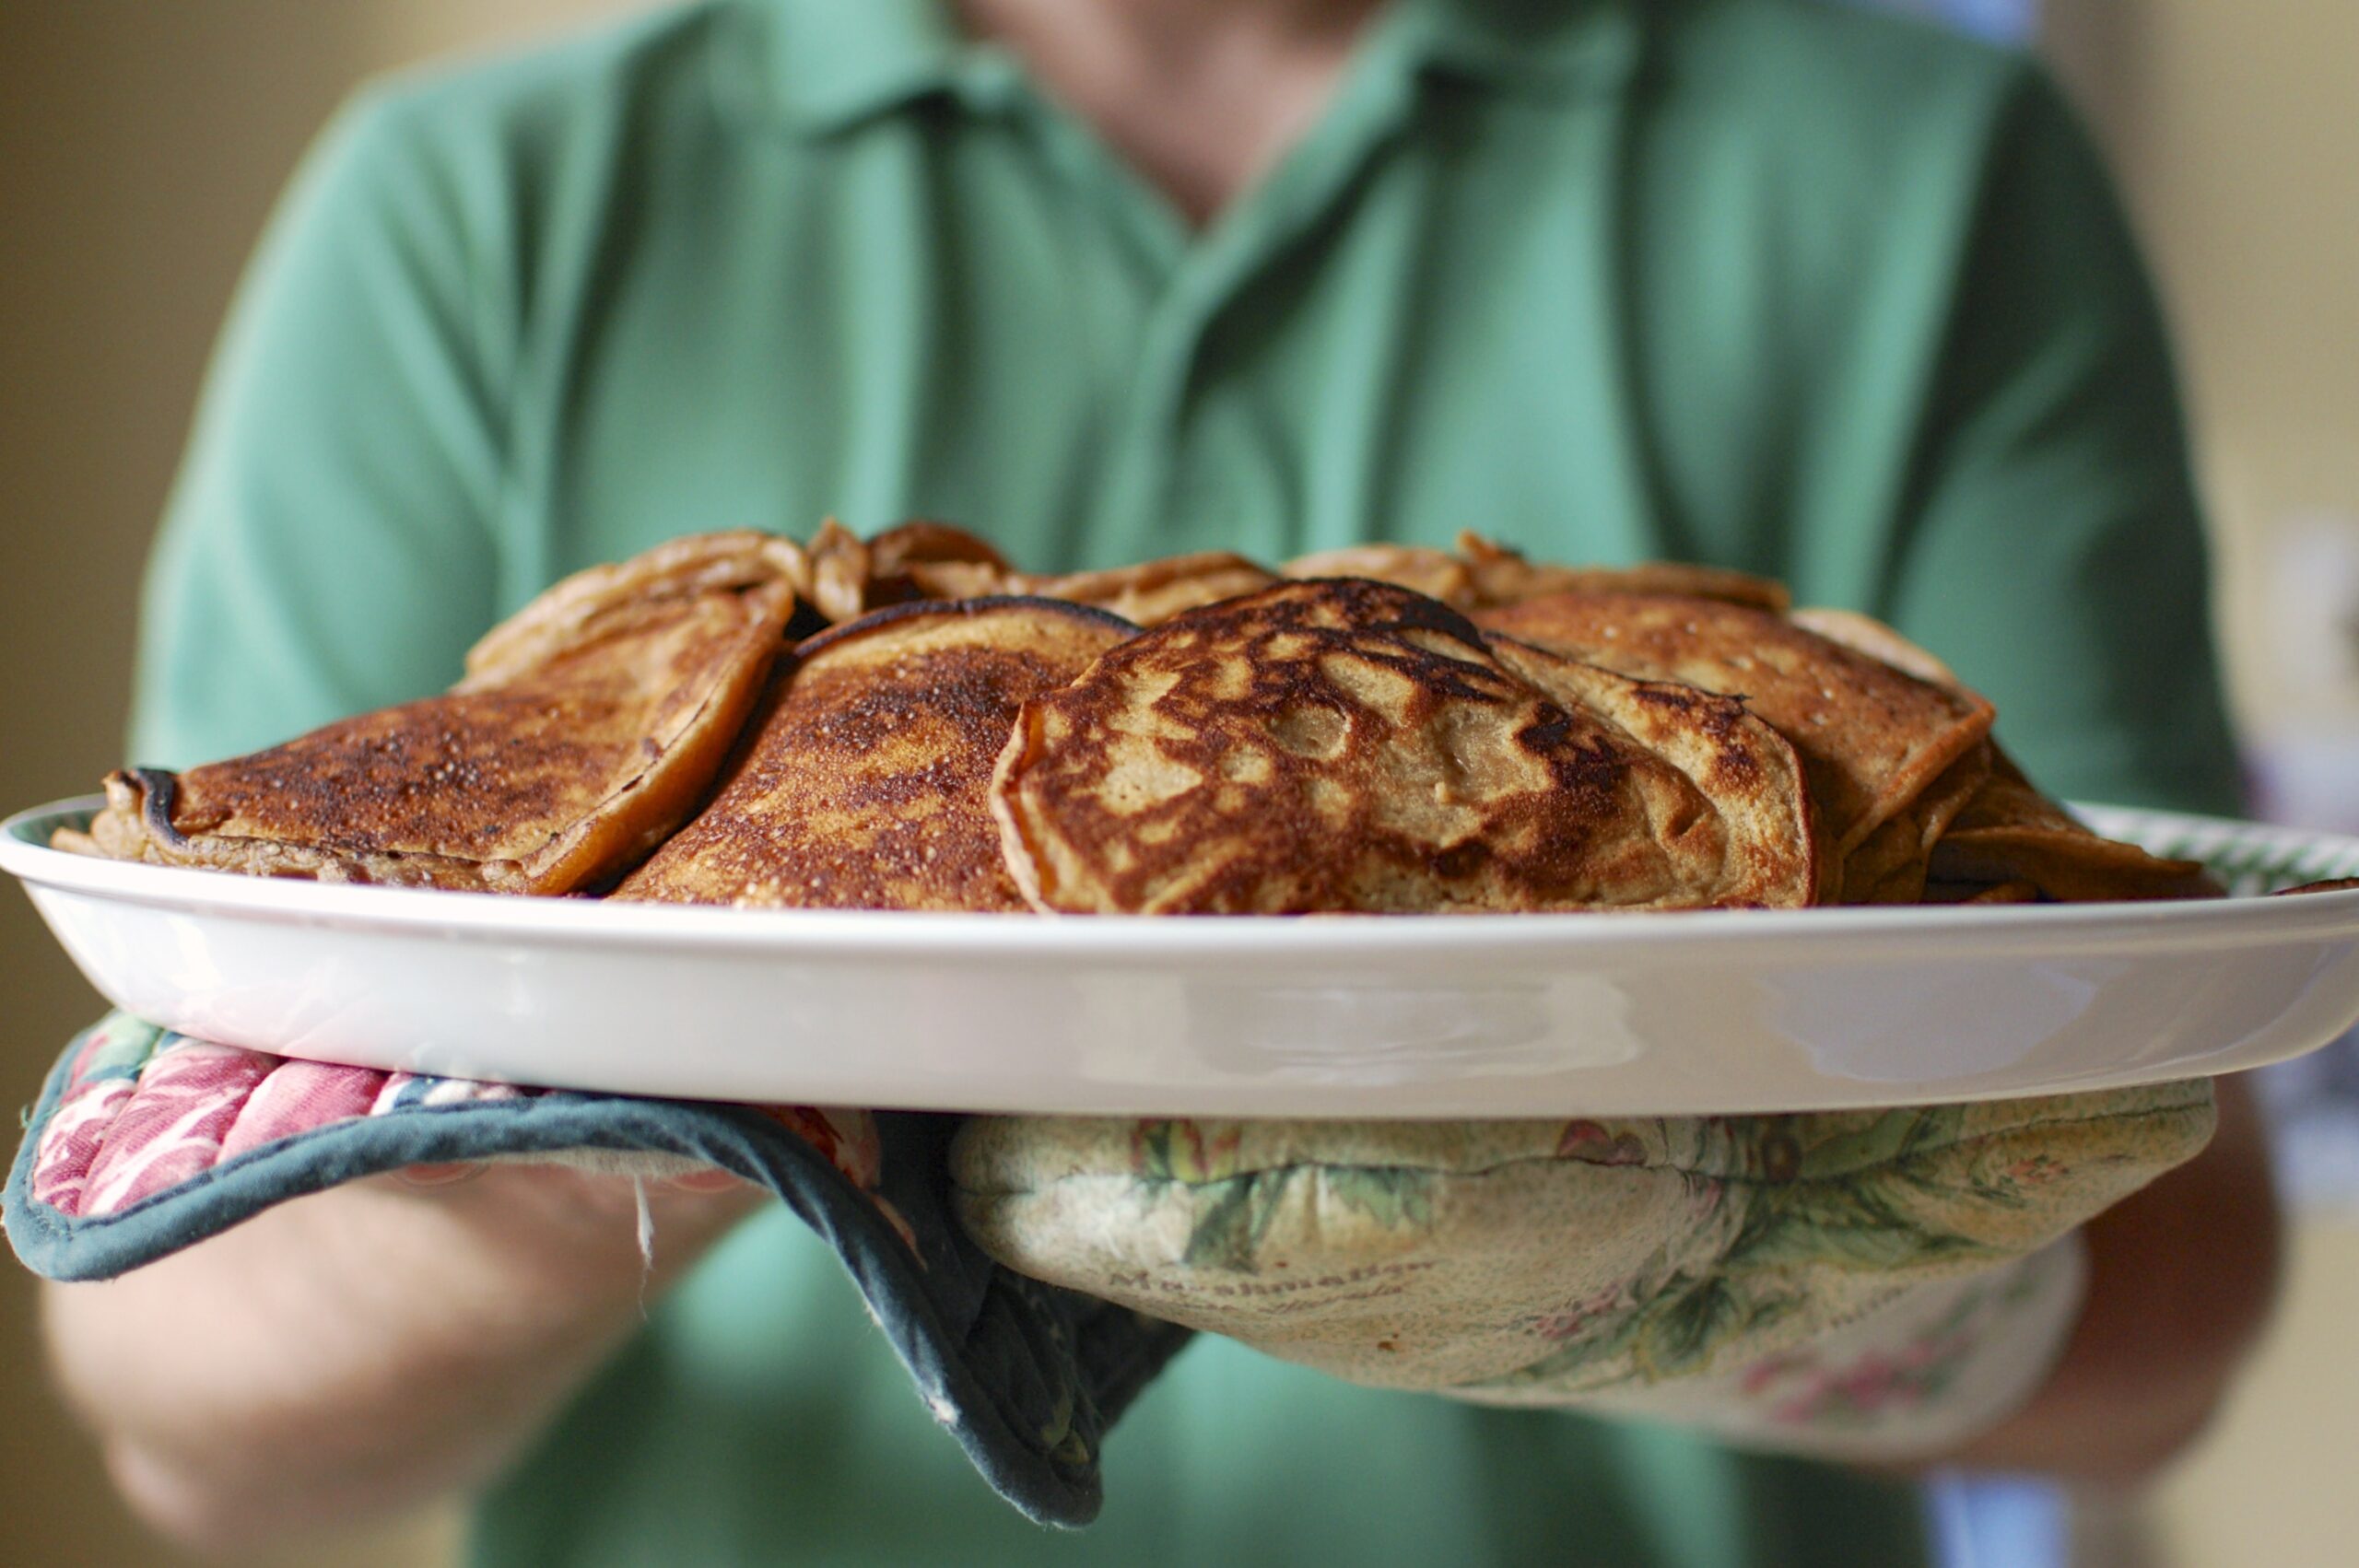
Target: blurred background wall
x: 2234, y: 129
x: 141, y: 144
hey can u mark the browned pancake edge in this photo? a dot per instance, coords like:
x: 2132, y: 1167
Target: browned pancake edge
x: 1872, y: 738
x: 862, y: 782
x: 587, y: 729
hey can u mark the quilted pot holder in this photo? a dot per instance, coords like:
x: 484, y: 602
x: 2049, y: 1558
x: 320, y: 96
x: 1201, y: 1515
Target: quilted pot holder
x: 144, y: 1142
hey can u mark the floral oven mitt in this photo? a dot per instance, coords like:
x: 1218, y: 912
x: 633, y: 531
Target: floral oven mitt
x: 1849, y: 1281
x: 1858, y: 1283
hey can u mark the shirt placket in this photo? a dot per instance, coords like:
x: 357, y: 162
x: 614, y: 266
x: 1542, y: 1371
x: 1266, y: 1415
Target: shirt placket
x: 1177, y: 457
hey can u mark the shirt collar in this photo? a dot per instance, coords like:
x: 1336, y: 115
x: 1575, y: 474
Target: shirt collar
x: 819, y: 67
x: 1525, y: 45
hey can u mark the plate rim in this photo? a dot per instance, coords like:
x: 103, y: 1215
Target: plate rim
x: 1620, y: 936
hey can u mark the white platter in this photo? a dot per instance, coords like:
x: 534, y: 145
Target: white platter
x: 1406, y: 1017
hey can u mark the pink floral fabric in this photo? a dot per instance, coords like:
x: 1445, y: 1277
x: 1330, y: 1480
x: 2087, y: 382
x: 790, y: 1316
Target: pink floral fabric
x: 145, y: 1109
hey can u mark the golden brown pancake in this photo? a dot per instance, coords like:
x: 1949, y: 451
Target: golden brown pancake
x: 847, y: 576
x: 903, y: 548
x: 1752, y: 776
x: 1350, y: 745
x: 931, y: 560
x: 1503, y: 576
x: 1891, y: 864
x: 588, y: 726
x: 1865, y: 633
x: 1998, y: 797
x: 2010, y: 832
x: 1151, y: 593
x: 1484, y: 574
x: 1872, y: 740
x: 862, y: 783
x: 953, y: 579
x: 837, y: 584
x: 1437, y: 574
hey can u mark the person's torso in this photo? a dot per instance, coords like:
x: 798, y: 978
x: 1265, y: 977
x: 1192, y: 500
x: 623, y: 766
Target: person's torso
x: 762, y: 1418
x: 1490, y: 290
x: 743, y: 282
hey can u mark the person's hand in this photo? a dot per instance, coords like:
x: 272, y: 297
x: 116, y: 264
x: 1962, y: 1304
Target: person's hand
x: 588, y: 1220
x: 367, y: 1346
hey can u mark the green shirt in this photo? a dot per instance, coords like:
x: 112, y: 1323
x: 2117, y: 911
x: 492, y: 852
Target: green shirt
x: 1756, y: 282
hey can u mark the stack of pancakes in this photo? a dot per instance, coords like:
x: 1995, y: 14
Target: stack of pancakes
x: 910, y: 722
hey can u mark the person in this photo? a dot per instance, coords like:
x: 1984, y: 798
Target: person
x: 1775, y: 285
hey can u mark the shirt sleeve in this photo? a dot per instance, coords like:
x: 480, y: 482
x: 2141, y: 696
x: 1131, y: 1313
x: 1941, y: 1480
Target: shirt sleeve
x: 328, y: 547
x: 2056, y: 554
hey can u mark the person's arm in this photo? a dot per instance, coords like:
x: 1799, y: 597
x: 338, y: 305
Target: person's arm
x: 366, y: 1349
x: 2058, y: 561
x: 2181, y: 1277
x: 333, y: 546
